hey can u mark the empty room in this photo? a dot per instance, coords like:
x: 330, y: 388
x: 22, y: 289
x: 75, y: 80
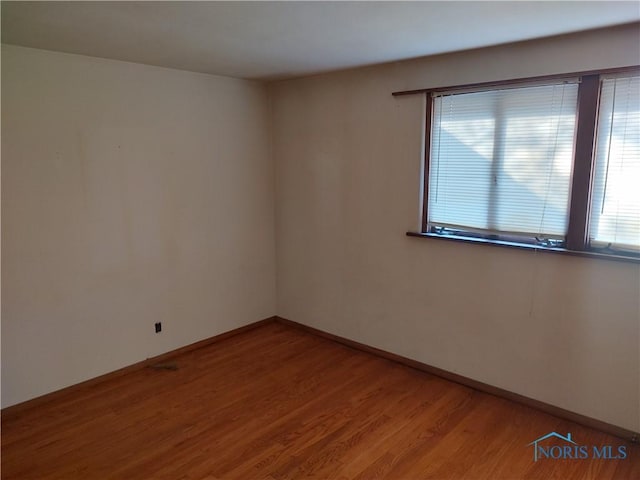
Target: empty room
x: 330, y: 240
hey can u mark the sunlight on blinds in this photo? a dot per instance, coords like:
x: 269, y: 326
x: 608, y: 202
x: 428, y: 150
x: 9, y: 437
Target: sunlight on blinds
x: 500, y: 160
x: 615, y: 206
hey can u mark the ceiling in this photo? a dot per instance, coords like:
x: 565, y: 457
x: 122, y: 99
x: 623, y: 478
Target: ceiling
x: 269, y: 40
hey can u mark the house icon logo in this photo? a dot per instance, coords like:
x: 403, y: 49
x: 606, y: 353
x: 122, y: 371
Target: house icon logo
x: 545, y: 437
x: 569, y: 449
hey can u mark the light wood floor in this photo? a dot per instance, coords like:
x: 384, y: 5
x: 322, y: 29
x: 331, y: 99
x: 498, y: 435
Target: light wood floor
x: 279, y: 403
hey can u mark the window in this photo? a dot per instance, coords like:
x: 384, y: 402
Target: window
x: 553, y: 163
x: 615, y: 207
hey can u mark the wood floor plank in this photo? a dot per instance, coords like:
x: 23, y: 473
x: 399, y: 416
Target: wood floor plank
x: 278, y: 403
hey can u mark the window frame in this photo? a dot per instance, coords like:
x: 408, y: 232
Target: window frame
x: 587, y: 109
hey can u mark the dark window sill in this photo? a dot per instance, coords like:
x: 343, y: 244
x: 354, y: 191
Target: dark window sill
x: 524, y: 246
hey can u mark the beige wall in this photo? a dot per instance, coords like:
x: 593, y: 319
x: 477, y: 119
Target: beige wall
x: 562, y: 330
x: 130, y: 195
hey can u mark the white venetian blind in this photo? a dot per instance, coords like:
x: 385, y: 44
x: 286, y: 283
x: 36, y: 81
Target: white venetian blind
x: 500, y: 160
x: 615, y: 206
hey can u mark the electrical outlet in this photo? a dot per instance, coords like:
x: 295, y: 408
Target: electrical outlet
x: 158, y: 327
